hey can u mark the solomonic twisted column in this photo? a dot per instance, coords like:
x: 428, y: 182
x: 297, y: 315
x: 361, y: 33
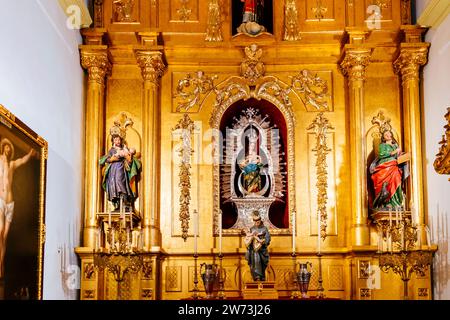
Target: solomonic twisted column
x: 152, y: 67
x: 354, y: 67
x: 95, y: 60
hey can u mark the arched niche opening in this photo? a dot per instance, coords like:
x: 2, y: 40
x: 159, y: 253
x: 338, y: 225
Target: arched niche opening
x: 254, y: 136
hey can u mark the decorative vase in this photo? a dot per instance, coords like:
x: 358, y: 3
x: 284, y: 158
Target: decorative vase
x: 303, y: 277
x: 210, y: 277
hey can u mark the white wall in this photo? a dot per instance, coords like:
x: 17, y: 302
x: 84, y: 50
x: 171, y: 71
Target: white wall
x: 436, y: 100
x: 41, y: 82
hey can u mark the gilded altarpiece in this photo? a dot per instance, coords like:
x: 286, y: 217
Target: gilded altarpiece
x: 164, y: 61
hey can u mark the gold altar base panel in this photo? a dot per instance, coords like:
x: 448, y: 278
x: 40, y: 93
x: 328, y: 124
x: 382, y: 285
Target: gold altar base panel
x: 177, y: 279
x: 259, y: 290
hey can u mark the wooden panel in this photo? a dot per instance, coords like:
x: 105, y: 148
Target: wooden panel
x: 173, y: 279
x: 183, y: 16
x: 321, y: 15
x: 137, y: 18
x: 367, y: 14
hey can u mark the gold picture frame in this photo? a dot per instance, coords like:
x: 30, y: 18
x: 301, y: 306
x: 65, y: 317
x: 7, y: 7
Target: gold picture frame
x: 22, y: 208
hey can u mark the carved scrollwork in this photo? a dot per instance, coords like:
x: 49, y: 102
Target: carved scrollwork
x: 319, y: 10
x: 321, y: 126
x: 192, y: 90
x: 214, y: 25
x: 184, y: 12
x: 291, y: 32
x: 252, y: 68
x: 187, y: 126
x: 313, y: 89
x: 442, y: 161
x: 308, y: 87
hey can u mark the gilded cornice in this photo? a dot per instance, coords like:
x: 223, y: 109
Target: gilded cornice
x: 97, y: 64
x: 151, y: 64
x: 410, y: 60
x: 355, y: 63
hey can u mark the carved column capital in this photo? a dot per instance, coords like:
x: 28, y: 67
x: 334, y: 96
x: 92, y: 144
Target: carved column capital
x: 96, y: 62
x: 355, y: 63
x: 410, y: 60
x: 151, y: 64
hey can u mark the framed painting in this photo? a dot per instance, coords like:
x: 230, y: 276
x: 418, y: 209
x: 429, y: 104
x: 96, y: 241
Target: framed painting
x: 23, y: 165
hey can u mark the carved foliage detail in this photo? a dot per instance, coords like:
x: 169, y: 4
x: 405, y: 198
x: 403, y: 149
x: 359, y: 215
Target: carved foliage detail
x: 355, y: 64
x: 187, y: 126
x: 214, y: 25
x: 151, y: 64
x: 409, y: 63
x: 97, y: 65
x: 291, y: 32
x: 442, y: 161
x: 321, y: 126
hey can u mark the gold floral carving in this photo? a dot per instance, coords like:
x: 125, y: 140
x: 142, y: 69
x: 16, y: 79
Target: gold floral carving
x: 193, y: 89
x: 147, y: 270
x: 308, y: 87
x: 364, y: 269
x: 252, y: 68
x: 123, y: 10
x: 382, y: 4
x: 313, y: 89
x: 151, y: 64
x: 89, y: 271
x: 321, y: 126
x: 319, y: 10
x: 442, y: 162
x: 355, y: 64
x: 291, y: 32
x: 214, y: 25
x: 406, y: 11
x: 409, y: 62
x: 97, y: 65
x: 184, y: 12
x: 147, y: 294
x: 98, y: 13
x: 365, y: 293
x: 422, y: 292
x: 88, y: 294
x: 187, y: 126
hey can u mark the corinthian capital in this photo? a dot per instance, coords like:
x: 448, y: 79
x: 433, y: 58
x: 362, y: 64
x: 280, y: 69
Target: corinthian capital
x: 96, y: 63
x: 151, y: 64
x: 355, y: 63
x: 410, y: 60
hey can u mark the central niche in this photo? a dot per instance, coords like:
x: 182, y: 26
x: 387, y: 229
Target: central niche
x: 253, y: 165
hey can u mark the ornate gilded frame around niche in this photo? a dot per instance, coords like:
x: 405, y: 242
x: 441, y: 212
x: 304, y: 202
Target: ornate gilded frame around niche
x: 267, y: 88
x: 28, y: 219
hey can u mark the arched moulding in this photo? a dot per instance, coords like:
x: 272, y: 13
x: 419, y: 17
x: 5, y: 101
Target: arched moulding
x: 276, y: 92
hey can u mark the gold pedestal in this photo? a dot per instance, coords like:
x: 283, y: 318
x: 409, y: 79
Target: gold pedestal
x: 260, y: 290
